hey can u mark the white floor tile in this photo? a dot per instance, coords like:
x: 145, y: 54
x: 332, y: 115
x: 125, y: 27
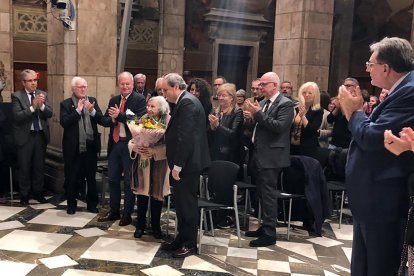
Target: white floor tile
x: 294, y: 260
x: 196, y: 263
x: 161, y: 270
x: 15, y: 269
x: 43, y: 206
x: 303, y: 249
x: 7, y: 211
x: 78, y: 272
x: 296, y: 274
x: 33, y: 242
x: 80, y: 203
x: 216, y: 241
x: 328, y: 273
x: 115, y: 227
x: 326, y: 242
x: 57, y: 261
x: 293, y: 231
x: 341, y: 268
x: 10, y: 225
x: 61, y: 218
x: 242, y: 252
x: 91, y: 232
x: 118, y: 250
x: 348, y: 253
x: 249, y: 270
x: 275, y: 266
x: 345, y: 233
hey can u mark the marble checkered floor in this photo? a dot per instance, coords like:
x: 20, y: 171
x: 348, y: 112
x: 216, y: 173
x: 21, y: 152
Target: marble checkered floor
x: 42, y: 239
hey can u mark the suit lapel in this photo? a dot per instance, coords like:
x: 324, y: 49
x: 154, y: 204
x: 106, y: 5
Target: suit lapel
x: 274, y: 104
x: 25, y: 98
x: 175, y: 109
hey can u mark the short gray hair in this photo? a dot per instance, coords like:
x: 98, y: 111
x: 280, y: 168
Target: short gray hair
x: 140, y: 76
x: 173, y: 79
x: 163, y: 106
x: 354, y: 81
x: 396, y: 52
x: 127, y: 74
x: 27, y: 72
x: 75, y: 80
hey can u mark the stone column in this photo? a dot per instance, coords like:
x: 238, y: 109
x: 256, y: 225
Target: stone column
x: 90, y: 52
x: 303, y: 30
x: 6, y: 48
x: 171, y: 37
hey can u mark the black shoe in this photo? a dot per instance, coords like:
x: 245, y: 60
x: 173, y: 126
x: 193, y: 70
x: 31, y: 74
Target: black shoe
x: 170, y: 246
x: 184, y: 251
x: 138, y: 233
x: 93, y: 210
x: 125, y: 219
x: 254, y: 234
x: 157, y: 234
x: 109, y: 216
x: 40, y: 198
x: 70, y: 211
x: 24, y: 201
x: 227, y: 223
x: 263, y: 240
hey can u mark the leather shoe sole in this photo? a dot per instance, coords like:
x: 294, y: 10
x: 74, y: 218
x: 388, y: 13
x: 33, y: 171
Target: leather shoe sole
x: 263, y: 241
x: 254, y: 234
x: 184, y: 252
x: 109, y: 217
x: 125, y: 220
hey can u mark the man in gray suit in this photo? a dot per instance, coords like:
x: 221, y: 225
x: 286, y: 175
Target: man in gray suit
x: 31, y: 135
x: 272, y: 118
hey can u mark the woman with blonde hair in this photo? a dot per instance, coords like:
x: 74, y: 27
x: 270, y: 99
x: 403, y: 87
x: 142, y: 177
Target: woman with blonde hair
x: 307, y: 120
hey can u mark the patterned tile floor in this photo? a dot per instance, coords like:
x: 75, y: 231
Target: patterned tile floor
x: 43, y: 240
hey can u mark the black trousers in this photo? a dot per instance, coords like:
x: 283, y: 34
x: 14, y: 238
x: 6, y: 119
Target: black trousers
x: 156, y: 207
x: 82, y: 165
x: 31, y: 163
x: 186, y: 206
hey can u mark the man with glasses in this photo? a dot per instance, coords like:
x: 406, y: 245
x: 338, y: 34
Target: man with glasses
x: 81, y: 143
x: 271, y: 152
x: 287, y: 90
x: 376, y: 185
x: 31, y: 112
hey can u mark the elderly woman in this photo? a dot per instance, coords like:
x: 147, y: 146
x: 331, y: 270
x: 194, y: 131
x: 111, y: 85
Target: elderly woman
x: 240, y: 98
x: 151, y: 179
x: 307, y: 120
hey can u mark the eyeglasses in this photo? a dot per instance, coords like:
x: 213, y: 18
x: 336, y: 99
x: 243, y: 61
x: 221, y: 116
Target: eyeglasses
x: 263, y: 84
x: 369, y: 64
x: 31, y: 80
x: 217, y: 84
x: 81, y: 87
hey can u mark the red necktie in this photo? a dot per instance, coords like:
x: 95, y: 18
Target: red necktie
x: 118, y: 126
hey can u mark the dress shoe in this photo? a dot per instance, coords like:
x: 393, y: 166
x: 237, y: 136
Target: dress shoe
x: 138, y: 233
x: 255, y: 234
x: 24, y: 201
x: 184, y: 251
x: 125, y: 220
x: 40, y: 198
x: 92, y: 210
x: 109, y: 216
x: 70, y: 211
x: 170, y: 246
x: 262, y: 241
x: 157, y: 234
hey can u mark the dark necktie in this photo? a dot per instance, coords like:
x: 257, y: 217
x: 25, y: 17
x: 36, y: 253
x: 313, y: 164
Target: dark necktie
x: 118, y: 127
x: 35, y: 114
x: 267, y: 104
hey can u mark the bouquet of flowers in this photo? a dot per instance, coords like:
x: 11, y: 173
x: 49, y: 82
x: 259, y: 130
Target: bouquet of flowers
x: 146, y: 132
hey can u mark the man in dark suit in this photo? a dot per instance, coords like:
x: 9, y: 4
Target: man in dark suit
x: 187, y: 155
x: 140, y: 81
x: 31, y: 111
x: 118, y: 155
x: 271, y: 147
x: 376, y: 185
x: 81, y: 143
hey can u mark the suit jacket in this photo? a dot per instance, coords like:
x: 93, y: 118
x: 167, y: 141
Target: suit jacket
x: 186, y: 138
x: 23, y: 117
x: 375, y: 182
x: 135, y: 102
x: 69, y: 119
x: 272, y: 137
